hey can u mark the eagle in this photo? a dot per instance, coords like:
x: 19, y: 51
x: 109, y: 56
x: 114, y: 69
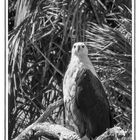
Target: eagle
x: 86, y: 104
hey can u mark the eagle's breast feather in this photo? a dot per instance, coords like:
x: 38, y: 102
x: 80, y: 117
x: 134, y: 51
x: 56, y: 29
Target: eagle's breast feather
x: 69, y: 83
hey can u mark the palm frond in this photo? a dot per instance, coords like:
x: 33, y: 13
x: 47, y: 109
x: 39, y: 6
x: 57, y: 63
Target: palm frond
x: 39, y: 52
x: 110, y: 52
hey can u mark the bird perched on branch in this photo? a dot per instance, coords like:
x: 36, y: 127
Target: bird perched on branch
x: 86, y: 104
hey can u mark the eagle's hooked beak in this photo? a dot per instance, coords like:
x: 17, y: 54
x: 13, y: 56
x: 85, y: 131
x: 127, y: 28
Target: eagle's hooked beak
x: 78, y: 48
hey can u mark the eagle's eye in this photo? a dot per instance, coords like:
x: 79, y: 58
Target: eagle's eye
x: 83, y: 46
x: 74, y: 46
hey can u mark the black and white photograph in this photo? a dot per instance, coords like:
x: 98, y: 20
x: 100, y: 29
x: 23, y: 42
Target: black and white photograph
x: 70, y: 70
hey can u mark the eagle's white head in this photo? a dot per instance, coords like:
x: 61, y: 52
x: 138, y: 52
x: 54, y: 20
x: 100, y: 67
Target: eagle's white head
x: 79, y: 49
x: 80, y: 56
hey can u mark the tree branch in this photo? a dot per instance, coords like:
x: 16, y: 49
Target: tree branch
x: 115, y: 133
x: 42, y: 128
x: 48, y: 130
x: 49, y: 110
x: 55, y: 131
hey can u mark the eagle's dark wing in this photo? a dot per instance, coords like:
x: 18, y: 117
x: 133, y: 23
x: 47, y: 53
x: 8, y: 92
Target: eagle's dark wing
x: 91, y: 103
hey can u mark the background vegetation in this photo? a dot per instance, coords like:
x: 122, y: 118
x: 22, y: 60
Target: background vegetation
x: 41, y: 34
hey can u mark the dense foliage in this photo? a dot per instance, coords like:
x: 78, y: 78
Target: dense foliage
x: 41, y: 33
